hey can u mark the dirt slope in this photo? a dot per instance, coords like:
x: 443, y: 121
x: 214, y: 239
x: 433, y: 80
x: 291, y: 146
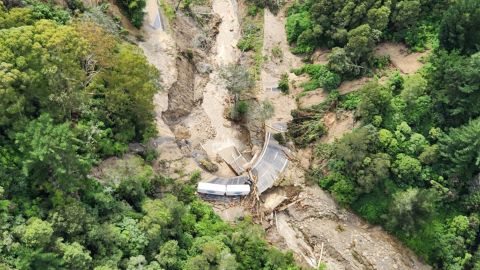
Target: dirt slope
x: 348, y: 241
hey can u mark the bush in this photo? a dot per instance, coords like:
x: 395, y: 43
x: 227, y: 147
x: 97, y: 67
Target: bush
x: 277, y: 52
x: 252, y: 10
x: 280, y: 138
x: 134, y: 10
x: 272, y: 5
x: 296, y: 24
x: 76, y: 5
x: 283, y: 83
x: 239, y: 111
x: 350, y: 101
x: 238, y: 79
x: 373, y: 206
x: 49, y: 12
x: 251, y: 37
x: 320, y: 76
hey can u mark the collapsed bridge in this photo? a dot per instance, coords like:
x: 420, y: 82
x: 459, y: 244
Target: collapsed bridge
x: 266, y: 169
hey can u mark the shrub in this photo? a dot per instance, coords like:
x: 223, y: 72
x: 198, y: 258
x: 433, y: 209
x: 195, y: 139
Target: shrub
x: 251, y: 35
x: 134, y: 10
x: 277, y: 52
x: 320, y: 76
x: 280, y: 138
x: 350, y: 101
x: 283, y: 83
x: 239, y: 111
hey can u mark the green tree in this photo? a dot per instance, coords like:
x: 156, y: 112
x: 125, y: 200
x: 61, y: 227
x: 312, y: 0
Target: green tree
x: 459, y: 27
x: 50, y: 157
x: 128, y: 94
x: 411, y: 207
x: 132, y: 239
x: 406, y: 168
x: 15, y: 17
x: 41, y: 71
x: 375, y: 101
x: 455, y: 87
x: 378, y: 17
x: 456, y: 240
x: 296, y: 24
x: 37, y: 233
x: 361, y: 41
x: 169, y: 255
x: 75, y: 256
x: 460, y: 150
x: 406, y: 13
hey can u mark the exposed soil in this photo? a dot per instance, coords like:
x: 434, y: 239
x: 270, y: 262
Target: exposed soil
x: 348, y: 242
x: 353, y: 85
x: 407, y: 63
x: 191, y: 123
x: 274, y: 36
x: 312, y: 98
x: 337, y: 125
x: 190, y: 110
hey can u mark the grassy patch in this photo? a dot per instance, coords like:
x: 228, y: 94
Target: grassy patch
x: 168, y: 10
x: 252, y: 38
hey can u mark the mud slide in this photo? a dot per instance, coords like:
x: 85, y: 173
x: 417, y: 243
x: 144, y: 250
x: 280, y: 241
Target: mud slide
x: 275, y: 38
x: 160, y: 49
x: 317, y: 227
x: 215, y: 94
x: 190, y: 109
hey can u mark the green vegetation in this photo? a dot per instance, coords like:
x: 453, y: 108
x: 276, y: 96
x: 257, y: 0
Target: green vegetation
x: 458, y: 30
x: 134, y: 9
x: 413, y: 165
x: 277, y: 52
x: 352, y: 28
x: 252, y: 38
x: 283, y: 83
x: 320, y: 76
x: 256, y: 5
x: 168, y: 10
x: 71, y: 94
x: 307, y: 126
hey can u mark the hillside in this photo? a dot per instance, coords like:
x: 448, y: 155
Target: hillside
x: 330, y: 134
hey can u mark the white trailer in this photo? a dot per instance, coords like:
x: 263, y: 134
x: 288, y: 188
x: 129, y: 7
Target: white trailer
x: 238, y: 190
x: 212, y: 189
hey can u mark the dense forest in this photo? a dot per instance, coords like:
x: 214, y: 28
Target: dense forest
x: 413, y: 164
x: 71, y: 94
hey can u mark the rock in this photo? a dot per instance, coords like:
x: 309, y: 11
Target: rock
x: 137, y: 148
x: 181, y: 132
x: 204, y: 68
x: 208, y: 165
x: 273, y: 200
